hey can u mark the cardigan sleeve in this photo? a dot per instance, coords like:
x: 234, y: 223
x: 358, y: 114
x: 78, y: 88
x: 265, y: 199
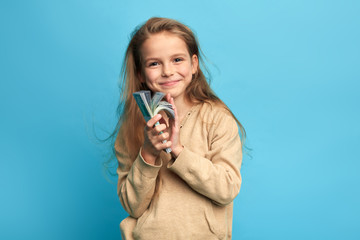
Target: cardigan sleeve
x: 217, y: 175
x: 136, y: 182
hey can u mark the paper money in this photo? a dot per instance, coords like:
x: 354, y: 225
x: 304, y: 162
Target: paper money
x: 149, y: 107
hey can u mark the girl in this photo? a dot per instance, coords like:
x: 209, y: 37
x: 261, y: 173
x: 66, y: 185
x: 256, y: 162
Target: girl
x: 189, y: 193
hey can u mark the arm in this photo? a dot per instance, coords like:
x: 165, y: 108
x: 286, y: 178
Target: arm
x: 136, y: 182
x: 216, y: 176
x: 137, y: 178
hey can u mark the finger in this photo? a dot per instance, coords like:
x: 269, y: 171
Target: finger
x: 164, y: 136
x: 162, y: 121
x: 173, y: 105
x: 159, y: 128
x: 153, y: 120
x: 175, y: 111
x: 158, y: 146
x: 164, y: 145
x: 168, y: 97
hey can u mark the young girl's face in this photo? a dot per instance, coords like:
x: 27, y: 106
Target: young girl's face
x: 167, y: 64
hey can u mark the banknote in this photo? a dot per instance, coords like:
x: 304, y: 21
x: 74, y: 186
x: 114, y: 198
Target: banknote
x: 150, y: 106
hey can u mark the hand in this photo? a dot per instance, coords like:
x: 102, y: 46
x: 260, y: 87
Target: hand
x: 176, y: 146
x: 153, y: 141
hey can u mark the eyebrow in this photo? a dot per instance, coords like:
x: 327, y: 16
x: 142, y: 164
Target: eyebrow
x: 172, y: 56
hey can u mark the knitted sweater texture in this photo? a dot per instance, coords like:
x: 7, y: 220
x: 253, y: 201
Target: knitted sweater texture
x: 190, y: 197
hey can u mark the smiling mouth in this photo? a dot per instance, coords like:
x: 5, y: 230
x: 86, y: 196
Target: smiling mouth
x: 169, y: 83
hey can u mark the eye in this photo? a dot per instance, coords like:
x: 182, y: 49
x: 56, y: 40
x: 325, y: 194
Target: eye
x: 178, y: 59
x: 153, y: 64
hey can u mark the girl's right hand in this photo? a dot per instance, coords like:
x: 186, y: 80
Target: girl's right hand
x: 153, y: 141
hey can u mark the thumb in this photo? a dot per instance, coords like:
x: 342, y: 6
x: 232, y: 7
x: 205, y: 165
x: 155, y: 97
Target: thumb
x: 168, y: 97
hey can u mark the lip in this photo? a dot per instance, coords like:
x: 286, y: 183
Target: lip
x: 169, y: 83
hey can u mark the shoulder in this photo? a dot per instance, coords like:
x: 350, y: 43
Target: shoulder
x: 215, y: 112
x: 217, y: 118
x: 222, y: 127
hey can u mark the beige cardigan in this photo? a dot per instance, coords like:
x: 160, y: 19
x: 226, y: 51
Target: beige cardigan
x: 193, y: 195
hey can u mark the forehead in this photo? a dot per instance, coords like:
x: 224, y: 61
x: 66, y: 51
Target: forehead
x: 163, y: 44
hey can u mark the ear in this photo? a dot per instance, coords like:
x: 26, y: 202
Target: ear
x: 194, y: 64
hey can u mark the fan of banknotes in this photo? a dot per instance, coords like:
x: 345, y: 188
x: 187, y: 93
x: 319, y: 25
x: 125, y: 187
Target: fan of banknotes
x: 149, y: 107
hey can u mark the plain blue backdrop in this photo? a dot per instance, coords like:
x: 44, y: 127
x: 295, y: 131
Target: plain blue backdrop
x: 289, y: 70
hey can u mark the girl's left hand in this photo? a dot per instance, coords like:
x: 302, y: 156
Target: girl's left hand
x: 176, y: 146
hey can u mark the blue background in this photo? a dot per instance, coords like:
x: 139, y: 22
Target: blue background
x: 289, y: 70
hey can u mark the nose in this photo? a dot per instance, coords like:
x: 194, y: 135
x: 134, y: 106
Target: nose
x: 167, y: 70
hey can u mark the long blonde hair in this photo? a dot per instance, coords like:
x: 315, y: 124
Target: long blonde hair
x: 130, y: 126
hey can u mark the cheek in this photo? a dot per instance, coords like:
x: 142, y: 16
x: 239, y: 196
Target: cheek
x: 151, y: 75
x: 186, y: 70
